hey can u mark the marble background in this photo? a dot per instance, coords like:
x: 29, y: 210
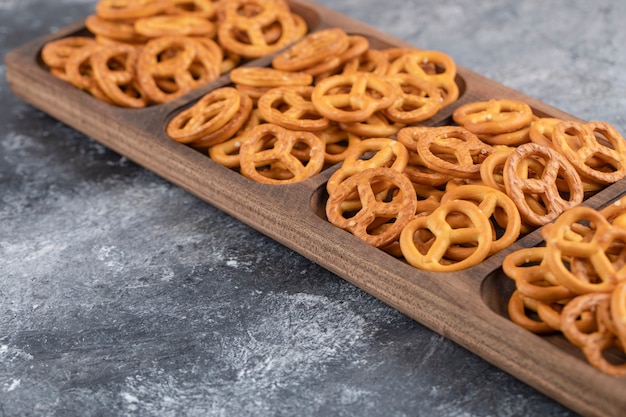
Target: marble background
x: 123, y: 295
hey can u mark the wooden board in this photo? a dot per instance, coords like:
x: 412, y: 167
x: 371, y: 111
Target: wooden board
x: 468, y: 307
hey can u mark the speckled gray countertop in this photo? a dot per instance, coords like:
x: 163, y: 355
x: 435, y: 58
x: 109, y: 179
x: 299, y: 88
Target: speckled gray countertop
x: 123, y: 295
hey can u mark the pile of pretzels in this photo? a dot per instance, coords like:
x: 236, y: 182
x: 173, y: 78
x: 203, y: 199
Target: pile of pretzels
x: 445, y: 198
x: 144, y: 52
x: 576, y: 283
x: 315, y: 103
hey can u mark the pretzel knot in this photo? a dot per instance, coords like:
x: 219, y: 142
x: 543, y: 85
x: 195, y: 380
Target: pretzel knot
x: 493, y: 116
x: 566, y: 249
x: 491, y: 202
x: 171, y: 66
x: 426, y: 241
x: 581, y: 144
x: 393, y: 209
x: 130, y: 9
x: 596, y: 342
x: 269, y: 154
x: 211, y: 113
x: 312, y: 50
x: 418, y: 100
x: 536, y: 194
x: 247, y: 25
x: 381, y: 152
x: 353, y: 97
x: 291, y: 107
x: 451, y: 150
x: 114, y: 71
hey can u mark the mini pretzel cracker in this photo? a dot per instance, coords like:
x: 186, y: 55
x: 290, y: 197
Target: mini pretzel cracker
x: 521, y: 186
x: 383, y: 152
x: 114, y: 71
x: 364, y: 94
x: 238, y: 120
x: 541, y: 130
x: 397, y: 205
x: 227, y: 153
x: 203, y: 8
x: 177, y: 25
x: 208, y: 115
x: 246, y: 22
x: 268, y: 144
x: 576, y: 284
x: 377, y: 125
x: 618, y: 310
x: 587, y: 146
x: 432, y: 66
x: 130, y: 9
x: 268, y: 77
x: 115, y: 30
x: 489, y: 201
x: 593, y: 249
x: 79, y: 72
x: 56, y: 53
x: 450, y: 150
x: 419, y: 99
x: 426, y: 240
x: 291, y: 108
x: 181, y: 61
x: 312, y: 49
x: 339, y: 143
x: 493, y: 116
x: 593, y: 344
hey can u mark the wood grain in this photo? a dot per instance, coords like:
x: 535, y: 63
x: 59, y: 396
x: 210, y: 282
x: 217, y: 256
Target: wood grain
x: 467, y: 307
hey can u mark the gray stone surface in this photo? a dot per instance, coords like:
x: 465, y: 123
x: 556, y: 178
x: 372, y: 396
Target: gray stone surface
x: 123, y: 295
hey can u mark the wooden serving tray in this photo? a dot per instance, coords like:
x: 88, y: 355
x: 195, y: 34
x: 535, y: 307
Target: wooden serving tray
x: 468, y: 307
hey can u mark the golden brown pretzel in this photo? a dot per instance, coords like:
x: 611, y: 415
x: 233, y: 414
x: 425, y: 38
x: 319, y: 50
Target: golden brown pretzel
x: 357, y: 45
x: 521, y: 186
x: 434, y: 66
x: 312, y: 49
x: 339, y: 143
x: 377, y: 125
x: 618, y: 311
x: 594, y: 247
x: 493, y: 116
x: 116, y: 30
x: 79, y: 72
x: 203, y: 8
x: 56, y: 53
x: 268, y: 77
x: 246, y: 33
x: 114, y: 70
x: 291, y: 108
x: 489, y: 201
x: 175, y: 25
x: 188, y: 65
x: 397, y: 205
x: 592, y: 343
x: 431, y: 254
x: 381, y: 152
x: 353, y: 97
x: 268, y: 144
x: 211, y: 113
x: 418, y: 100
x: 533, y: 278
x: 587, y: 147
x: 130, y: 9
x: 452, y: 150
x: 227, y: 153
